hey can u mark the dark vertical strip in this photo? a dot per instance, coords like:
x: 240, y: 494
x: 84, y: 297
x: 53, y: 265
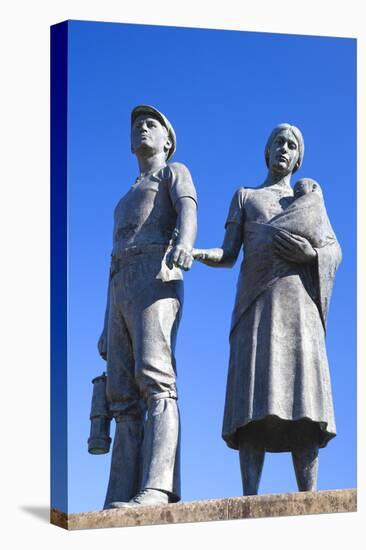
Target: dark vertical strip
x: 59, y: 493
x: 356, y: 260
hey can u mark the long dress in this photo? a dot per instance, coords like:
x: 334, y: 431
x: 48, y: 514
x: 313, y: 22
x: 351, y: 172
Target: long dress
x: 278, y: 393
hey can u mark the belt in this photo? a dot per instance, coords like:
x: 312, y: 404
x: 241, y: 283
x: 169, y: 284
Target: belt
x: 139, y: 249
x: 134, y: 252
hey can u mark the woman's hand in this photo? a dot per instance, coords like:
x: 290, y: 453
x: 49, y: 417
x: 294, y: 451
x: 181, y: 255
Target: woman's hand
x: 294, y: 248
x: 199, y: 254
x: 210, y: 256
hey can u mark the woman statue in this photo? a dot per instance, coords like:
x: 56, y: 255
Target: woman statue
x: 278, y: 395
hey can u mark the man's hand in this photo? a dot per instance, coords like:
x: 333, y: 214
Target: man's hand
x: 179, y: 256
x: 102, y: 346
x: 294, y: 248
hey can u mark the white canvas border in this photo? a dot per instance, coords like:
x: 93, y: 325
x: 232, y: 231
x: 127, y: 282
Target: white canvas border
x: 24, y: 288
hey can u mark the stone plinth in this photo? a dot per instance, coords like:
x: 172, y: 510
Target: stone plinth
x: 286, y: 504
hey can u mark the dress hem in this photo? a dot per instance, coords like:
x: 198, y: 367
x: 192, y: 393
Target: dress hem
x: 258, y: 425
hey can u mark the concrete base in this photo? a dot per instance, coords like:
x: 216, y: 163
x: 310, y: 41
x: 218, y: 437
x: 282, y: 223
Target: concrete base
x: 263, y: 506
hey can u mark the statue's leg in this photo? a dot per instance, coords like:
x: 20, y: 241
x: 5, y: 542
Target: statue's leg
x: 251, y: 466
x: 161, y: 448
x: 125, y: 406
x: 305, y: 462
x: 154, y: 329
x: 124, y: 478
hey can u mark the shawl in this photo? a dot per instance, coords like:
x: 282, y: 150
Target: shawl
x: 261, y: 267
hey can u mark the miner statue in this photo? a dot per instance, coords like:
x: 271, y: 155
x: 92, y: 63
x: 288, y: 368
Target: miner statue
x: 153, y: 235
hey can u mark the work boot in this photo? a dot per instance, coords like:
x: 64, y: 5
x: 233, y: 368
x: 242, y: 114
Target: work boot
x: 161, y: 447
x: 146, y: 497
x: 160, y: 482
x: 125, y: 473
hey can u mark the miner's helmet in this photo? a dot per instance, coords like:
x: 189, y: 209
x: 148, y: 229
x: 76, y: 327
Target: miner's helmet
x: 154, y: 113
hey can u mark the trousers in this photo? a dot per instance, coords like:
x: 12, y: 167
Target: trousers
x: 144, y: 316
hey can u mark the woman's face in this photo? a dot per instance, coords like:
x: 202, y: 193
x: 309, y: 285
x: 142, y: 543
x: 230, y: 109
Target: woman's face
x: 283, y: 153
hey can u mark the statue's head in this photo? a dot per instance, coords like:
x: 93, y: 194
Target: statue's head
x: 151, y: 130
x: 284, y: 151
x: 304, y: 186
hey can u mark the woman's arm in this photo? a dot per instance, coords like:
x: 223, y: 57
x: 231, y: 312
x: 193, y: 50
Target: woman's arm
x: 294, y: 248
x: 225, y: 256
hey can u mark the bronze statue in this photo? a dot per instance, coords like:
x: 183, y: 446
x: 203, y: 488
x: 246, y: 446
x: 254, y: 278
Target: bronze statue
x: 154, y: 231
x: 278, y: 395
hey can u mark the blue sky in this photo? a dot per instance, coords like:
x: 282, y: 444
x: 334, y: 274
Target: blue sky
x: 223, y: 91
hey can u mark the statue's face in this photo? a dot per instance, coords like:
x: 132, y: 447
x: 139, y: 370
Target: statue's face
x: 283, y: 153
x: 306, y: 186
x: 303, y: 187
x: 149, y: 136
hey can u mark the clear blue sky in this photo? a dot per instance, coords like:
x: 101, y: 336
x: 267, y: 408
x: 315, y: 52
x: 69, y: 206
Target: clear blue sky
x: 223, y: 91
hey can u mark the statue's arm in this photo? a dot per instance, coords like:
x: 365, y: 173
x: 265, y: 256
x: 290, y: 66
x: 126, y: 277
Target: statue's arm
x: 185, y: 234
x: 294, y: 248
x: 102, y: 342
x: 328, y: 259
x: 186, y: 222
x: 225, y: 256
x: 184, y: 199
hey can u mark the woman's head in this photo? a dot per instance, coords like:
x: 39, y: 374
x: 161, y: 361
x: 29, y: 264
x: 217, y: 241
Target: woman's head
x: 284, y: 149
